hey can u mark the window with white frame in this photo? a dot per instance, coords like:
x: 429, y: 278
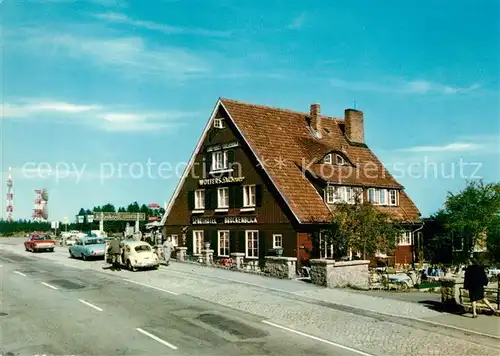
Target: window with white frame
x: 219, y: 160
x: 223, y: 198
x: 328, y: 159
x: 277, y: 241
x: 335, y: 194
x: 223, y: 243
x: 372, y: 196
x: 199, y: 199
x: 249, y: 195
x: 393, y: 197
x: 175, y: 240
x: 198, y: 237
x: 339, y: 160
x: 252, y: 244
x: 405, y: 238
x: 219, y: 123
x: 382, y: 196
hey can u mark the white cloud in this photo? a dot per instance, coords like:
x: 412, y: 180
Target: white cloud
x: 408, y: 87
x: 452, y: 147
x: 297, y: 22
x: 96, y: 116
x: 121, y: 18
x: 22, y: 110
x: 133, y: 56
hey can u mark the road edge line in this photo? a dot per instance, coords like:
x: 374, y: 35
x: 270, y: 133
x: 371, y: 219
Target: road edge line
x: 156, y: 338
x: 149, y: 286
x: 90, y: 304
x: 20, y: 273
x: 48, y: 285
x: 316, y: 338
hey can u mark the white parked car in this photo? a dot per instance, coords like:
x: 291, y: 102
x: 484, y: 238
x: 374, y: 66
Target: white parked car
x: 139, y: 255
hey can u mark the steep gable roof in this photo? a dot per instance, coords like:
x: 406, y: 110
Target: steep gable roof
x: 285, y: 147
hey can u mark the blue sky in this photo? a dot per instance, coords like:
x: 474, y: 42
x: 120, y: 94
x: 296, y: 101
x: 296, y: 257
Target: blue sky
x: 88, y: 85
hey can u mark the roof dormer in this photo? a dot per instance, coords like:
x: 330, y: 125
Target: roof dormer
x: 335, y: 158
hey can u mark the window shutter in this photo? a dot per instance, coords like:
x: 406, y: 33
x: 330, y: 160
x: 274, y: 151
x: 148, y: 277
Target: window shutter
x: 238, y: 196
x: 263, y: 244
x: 258, y: 195
x: 241, y: 242
x: 191, y: 200
x: 214, y: 243
x: 233, y: 241
x: 230, y: 157
x: 189, y: 241
x: 232, y: 196
x: 208, y: 199
x: 208, y: 164
x: 215, y: 198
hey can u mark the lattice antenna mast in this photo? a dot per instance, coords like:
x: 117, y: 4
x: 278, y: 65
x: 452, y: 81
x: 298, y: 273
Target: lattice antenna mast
x: 40, y: 211
x: 9, y: 197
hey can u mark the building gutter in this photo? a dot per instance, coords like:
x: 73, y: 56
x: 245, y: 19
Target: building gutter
x: 413, y: 244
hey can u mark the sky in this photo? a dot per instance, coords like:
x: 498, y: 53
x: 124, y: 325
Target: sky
x: 94, y: 92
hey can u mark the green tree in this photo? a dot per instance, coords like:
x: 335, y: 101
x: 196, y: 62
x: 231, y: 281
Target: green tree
x: 133, y: 208
x: 361, y: 227
x: 472, y: 214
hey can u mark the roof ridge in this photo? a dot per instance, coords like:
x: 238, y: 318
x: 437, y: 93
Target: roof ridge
x: 262, y: 106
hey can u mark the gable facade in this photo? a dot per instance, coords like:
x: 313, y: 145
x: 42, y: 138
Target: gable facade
x: 270, y: 177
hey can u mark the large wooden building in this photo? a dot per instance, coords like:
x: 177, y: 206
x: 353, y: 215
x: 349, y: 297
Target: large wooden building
x: 262, y: 178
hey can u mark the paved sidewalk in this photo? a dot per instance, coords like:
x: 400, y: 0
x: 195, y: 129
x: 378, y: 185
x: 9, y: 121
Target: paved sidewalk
x: 387, y: 305
x: 338, y: 315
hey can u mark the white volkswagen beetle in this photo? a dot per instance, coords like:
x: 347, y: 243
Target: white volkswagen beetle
x: 139, y: 254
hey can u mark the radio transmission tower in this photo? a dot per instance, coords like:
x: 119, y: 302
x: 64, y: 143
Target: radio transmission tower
x: 9, y: 206
x: 40, y: 212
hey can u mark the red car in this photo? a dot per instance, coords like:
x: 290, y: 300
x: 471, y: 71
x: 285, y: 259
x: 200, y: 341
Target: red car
x: 39, y: 242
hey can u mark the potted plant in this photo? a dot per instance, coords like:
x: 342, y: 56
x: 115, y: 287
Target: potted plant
x: 207, y: 245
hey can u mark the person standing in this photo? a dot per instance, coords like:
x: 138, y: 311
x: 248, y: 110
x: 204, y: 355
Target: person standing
x: 475, y: 279
x: 115, y: 250
x: 167, y: 250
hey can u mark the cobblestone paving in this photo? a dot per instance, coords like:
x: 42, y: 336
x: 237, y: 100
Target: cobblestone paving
x: 369, y: 334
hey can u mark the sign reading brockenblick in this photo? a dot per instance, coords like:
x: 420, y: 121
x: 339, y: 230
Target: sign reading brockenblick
x: 226, y: 220
x: 121, y: 216
x: 223, y: 180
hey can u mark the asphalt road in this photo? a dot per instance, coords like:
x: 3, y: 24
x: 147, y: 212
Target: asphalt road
x: 49, y: 309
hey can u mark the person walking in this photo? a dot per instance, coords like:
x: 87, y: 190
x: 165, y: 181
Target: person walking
x: 475, y: 279
x: 115, y: 251
x: 167, y: 250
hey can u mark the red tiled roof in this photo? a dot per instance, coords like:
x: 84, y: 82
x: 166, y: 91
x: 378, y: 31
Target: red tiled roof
x: 286, y: 148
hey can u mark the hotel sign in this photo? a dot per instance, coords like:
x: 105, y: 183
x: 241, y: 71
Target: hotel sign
x: 225, y: 220
x: 223, y: 180
x: 240, y: 220
x: 121, y: 216
x: 224, y: 146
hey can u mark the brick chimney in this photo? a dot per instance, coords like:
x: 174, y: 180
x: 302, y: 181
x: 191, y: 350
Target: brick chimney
x: 354, y: 125
x: 315, y: 115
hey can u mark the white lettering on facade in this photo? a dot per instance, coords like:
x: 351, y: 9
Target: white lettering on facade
x: 223, y: 180
x: 224, y: 146
x: 240, y: 220
x: 204, y: 221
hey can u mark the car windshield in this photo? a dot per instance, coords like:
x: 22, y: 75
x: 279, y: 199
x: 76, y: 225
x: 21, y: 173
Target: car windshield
x: 142, y: 248
x: 94, y: 242
x: 41, y: 237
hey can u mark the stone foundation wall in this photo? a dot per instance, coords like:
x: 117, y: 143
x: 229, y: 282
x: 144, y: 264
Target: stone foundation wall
x: 340, y: 274
x: 281, y: 267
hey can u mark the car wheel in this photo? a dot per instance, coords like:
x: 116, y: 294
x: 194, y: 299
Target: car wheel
x: 130, y: 267
x: 84, y: 257
x: 51, y: 250
x: 71, y: 255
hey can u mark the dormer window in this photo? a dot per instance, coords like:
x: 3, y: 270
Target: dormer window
x: 219, y: 123
x: 329, y: 159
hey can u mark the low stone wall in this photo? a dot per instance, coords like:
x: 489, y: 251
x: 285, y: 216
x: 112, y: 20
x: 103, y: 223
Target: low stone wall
x: 340, y: 274
x: 450, y: 293
x: 281, y: 267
